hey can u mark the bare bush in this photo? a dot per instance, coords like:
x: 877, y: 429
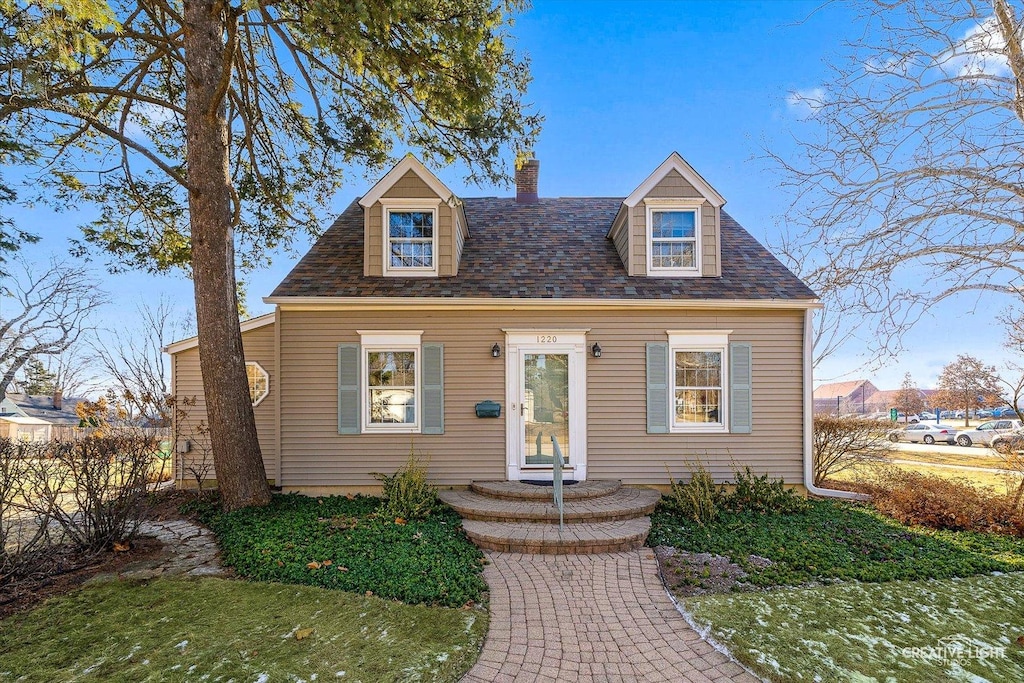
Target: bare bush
x: 929, y: 500
x: 94, y: 489
x: 22, y: 533
x: 841, y: 443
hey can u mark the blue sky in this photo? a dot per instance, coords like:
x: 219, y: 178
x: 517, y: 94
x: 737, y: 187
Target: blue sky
x: 623, y: 84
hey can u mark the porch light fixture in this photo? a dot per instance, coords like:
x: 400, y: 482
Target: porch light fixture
x: 596, y: 348
x: 496, y: 351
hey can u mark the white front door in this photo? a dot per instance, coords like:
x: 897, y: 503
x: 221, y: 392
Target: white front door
x: 546, y: 399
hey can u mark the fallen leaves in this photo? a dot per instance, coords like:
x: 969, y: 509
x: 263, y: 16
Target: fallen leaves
x: 303, y: 633
x: 122, y: 547
x: 313, y: 565
x: 400, y: 521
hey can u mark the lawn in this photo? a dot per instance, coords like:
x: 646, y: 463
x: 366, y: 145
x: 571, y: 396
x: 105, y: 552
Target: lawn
x: 834, y: 541
x: 987, y: 477
x: 215, y: 629
x: 341, y: 543
x: 952, y: 629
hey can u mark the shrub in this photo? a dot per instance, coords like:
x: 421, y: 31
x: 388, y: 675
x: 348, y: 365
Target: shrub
x: 94, y: 489
x: 941, y: 503
x: 697, y: 499
x: 407, y: 494
x: 843, y: 442
x: 759, y: 494
x: 22, y: 534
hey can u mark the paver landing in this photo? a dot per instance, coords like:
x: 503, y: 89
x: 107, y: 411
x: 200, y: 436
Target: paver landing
x: 600, y: 617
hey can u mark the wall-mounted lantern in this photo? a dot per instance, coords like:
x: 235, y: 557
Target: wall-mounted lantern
x: 496, y: 351
x: 596, y: 348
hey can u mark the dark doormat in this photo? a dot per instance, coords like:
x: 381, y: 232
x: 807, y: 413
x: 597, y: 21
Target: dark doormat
x: 542, y: 482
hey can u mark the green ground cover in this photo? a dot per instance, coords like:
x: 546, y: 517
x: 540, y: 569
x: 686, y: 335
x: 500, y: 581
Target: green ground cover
x: 341, y: 543
x: 835, y: 541
x: 940, y: 630
x: 215, y: 629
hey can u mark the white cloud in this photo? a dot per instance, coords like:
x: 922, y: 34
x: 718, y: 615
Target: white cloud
x: 979, y: 52
x: 807, y: 102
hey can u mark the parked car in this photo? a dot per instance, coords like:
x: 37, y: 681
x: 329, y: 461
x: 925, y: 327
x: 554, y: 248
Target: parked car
x: 924, y: 432
x: 926, y: 416
x: 1007, y: 442
x: 1004, y: 412
x: 983, y: 414
x: 985, y: 432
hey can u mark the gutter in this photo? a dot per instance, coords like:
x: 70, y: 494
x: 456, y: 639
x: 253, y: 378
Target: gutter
x: 809, y: 419
x: 329, y: 303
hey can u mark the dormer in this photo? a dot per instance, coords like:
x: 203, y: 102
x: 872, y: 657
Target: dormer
x: 669, y: 226
x: 413, y: 225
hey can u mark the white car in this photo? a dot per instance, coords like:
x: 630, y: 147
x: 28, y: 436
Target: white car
x: 985, y: 432
x: 924, y: 432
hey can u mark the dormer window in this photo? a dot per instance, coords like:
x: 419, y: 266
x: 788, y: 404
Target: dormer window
x: 674, y: 238
x: 410, y: 237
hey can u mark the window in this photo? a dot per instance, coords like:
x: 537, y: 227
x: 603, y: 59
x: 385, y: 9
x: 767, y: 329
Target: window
x: 391, y: 381
x: 259, y: 382
x: 410, y: 237
x: 674, y: 239
x: 392, y: 387
x: 698, y: 363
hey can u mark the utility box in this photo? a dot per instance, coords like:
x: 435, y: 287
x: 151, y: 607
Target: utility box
x: 488, y: 409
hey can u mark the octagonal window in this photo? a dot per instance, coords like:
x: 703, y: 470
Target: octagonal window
x: 259, y: 382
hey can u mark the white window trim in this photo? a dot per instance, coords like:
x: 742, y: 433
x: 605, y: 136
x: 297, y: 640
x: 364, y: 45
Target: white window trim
x: 694, y: 205
x: 397, y: 205
x: 699, y: 340
x: 370, y: 341
x: 266, y: 374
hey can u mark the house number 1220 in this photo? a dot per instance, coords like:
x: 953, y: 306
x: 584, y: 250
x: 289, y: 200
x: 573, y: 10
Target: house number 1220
x: 547, y: 339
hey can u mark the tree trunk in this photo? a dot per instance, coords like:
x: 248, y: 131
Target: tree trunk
x: 241, y: 477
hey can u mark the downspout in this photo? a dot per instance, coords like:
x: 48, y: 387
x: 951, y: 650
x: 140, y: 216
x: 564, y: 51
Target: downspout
x: 809, y: 418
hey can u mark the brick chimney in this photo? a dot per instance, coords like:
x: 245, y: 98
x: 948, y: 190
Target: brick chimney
x: 58, y: 399
x: 526, y: 182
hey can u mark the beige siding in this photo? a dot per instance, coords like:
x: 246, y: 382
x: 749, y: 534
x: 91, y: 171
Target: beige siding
x: 410, y: 186
x: 674, y: 186
x: 258, y: 345
x: 620, y: 235
x: 461, y: 235
x: 314, y: 454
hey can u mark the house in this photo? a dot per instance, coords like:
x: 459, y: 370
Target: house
x: 37, y: 418
x: 643, y: 334
x: 842, y: 398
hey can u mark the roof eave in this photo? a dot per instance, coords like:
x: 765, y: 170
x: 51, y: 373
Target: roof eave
x: 677, y: 163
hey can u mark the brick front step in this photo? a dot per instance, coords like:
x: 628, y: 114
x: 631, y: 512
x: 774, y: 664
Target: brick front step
x: 584, y: 537
x: 623, y: 504
x: 515, y: 490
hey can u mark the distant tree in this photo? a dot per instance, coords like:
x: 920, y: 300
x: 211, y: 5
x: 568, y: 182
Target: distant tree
x: 908, y: 168
x: 967, y: 384
x: 134, y: 361
x: 908, y: 399
x: 38, y: 381
x: 43, y: 314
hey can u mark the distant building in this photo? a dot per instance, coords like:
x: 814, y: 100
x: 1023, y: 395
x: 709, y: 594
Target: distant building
x: 34, y: 418
x: 842, y: 398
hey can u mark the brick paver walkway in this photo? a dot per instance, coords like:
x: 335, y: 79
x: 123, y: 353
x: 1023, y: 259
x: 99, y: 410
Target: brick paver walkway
x: 603, y: 617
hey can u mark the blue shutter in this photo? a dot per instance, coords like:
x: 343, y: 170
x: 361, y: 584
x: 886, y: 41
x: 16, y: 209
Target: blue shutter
x: 740, y: 403
x: 433, y: 389
x: 348, y: 388
x: 657, y: 388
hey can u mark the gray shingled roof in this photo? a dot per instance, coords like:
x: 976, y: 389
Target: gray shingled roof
x: 554, y: 249
x: 42, y: 407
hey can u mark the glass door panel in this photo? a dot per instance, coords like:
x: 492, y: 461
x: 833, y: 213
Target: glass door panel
x: 545, y: 406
